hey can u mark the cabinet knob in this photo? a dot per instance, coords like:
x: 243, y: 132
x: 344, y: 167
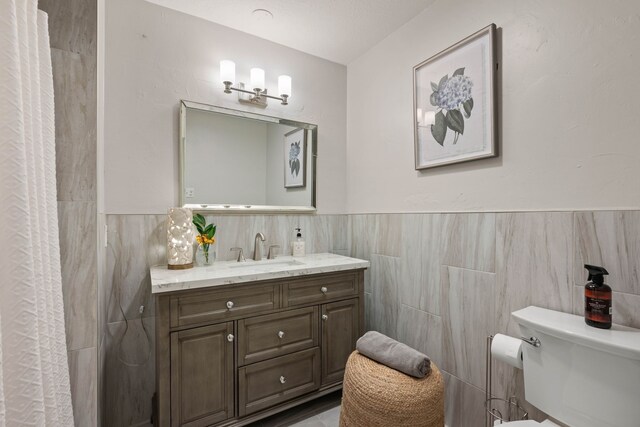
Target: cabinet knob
x: 282, y: 379
x: 324, y: 289
x: 281, y: 334
x: 230, y: 305
x: 230, y: 337
x: 325, y: 317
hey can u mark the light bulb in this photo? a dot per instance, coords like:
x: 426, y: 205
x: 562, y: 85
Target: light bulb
x: 227, y: 71
x: 257, y: 79
x: 284, y: 85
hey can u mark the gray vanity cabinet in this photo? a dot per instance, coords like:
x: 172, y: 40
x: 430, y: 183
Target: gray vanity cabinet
x: 233, y: 354
x: 265, y: 384
x: 272, y: 335
x: 202, y: 381
x: 340, y: 331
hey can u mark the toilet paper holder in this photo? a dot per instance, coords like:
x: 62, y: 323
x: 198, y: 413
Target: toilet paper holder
x: 534, y: 341
x: 498, y: 409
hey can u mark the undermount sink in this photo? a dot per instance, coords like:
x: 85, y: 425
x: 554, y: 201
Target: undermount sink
x: 268, y: 263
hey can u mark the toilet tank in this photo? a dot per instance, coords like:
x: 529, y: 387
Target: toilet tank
x: 580, y: 375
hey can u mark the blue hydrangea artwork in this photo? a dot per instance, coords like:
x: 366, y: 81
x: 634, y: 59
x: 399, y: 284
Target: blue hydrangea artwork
x: 453, y: 98
x: 454, y: 108
x: 294, y: 160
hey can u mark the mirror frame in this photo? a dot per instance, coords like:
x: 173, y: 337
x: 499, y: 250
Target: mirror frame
x: 249, y: 209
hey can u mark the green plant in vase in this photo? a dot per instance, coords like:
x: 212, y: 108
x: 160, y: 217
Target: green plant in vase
x: 206, y: 236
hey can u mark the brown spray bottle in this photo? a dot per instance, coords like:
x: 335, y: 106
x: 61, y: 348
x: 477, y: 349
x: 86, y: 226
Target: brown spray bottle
x: 597, y: 299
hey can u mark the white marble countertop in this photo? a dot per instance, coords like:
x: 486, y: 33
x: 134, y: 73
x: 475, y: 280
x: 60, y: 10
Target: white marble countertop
x: 232, y: 272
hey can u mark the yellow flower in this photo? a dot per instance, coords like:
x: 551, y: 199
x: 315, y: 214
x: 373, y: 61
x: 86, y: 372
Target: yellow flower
x: 204, y: 240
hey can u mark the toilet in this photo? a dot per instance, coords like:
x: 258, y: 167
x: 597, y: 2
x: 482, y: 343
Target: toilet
x: 579, y: 375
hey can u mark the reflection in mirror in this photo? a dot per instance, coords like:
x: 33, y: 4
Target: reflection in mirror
x: 238, y: 161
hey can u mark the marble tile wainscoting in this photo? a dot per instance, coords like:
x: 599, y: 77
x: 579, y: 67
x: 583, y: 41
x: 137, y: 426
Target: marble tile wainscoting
x: 73, y: 40
x: 438, y: 282
x: 443, y: 282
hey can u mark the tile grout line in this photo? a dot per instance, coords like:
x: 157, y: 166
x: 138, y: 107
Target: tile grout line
x: 419, y: 309
x: 467, y: 269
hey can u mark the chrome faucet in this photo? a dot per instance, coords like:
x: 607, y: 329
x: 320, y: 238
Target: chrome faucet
x: 257, y: 252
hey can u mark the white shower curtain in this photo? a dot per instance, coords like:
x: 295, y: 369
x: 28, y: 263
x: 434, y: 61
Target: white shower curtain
x: 34, y: 377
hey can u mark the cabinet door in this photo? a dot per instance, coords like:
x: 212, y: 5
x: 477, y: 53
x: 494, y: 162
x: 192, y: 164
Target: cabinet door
x: 202, y: 380
x: 340, y: 331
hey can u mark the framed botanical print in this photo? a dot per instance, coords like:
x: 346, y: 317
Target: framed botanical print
x: 455, y: 114
x: 295, y: 144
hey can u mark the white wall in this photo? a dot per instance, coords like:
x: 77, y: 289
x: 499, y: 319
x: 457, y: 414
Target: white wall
x: 155, y: 56
x: 225, y: 159
x: 568, y: 111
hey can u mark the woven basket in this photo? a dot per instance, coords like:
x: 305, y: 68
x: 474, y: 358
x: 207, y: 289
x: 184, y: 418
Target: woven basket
x: 376, y: 395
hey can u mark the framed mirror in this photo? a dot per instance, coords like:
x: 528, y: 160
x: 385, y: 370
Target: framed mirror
x: 238, y: 161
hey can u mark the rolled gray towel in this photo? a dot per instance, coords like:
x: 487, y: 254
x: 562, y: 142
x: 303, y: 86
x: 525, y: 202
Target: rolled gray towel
x: 394, y: 354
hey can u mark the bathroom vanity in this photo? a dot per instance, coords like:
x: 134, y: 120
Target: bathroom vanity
x: 239, y: 341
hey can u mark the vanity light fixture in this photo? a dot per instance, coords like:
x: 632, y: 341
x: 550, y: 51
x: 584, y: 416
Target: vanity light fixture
x: 425, y: 118
x: 257, y: 96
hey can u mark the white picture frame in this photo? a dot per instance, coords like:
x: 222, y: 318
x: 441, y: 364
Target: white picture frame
x: 295, y: 154
x: 454, y: 107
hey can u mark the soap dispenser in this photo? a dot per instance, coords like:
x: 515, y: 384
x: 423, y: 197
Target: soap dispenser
x: 597, y: 299
x: 298, y: 245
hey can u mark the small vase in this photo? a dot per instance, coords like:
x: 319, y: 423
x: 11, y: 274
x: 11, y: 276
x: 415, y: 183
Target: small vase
x: 205, y: 256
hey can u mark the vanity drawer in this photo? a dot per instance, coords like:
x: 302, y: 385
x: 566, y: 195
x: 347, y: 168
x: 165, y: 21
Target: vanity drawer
x: 223, y: 304
x: 319, y: 290
x: 272, y: 335
x: 274, y: 381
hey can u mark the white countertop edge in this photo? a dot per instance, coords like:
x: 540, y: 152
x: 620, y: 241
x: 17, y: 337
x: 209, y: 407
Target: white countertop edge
x: 311, y: 264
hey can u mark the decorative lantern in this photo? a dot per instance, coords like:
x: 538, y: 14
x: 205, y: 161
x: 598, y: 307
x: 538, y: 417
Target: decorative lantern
x: 179, y: 239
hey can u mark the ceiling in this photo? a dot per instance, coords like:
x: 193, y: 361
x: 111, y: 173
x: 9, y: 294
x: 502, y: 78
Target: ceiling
x: 337, y: 30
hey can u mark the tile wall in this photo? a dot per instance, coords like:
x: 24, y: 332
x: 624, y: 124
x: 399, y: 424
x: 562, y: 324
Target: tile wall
x: 73, y: 34
x: 443, y: 282
x: 438, y: 282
